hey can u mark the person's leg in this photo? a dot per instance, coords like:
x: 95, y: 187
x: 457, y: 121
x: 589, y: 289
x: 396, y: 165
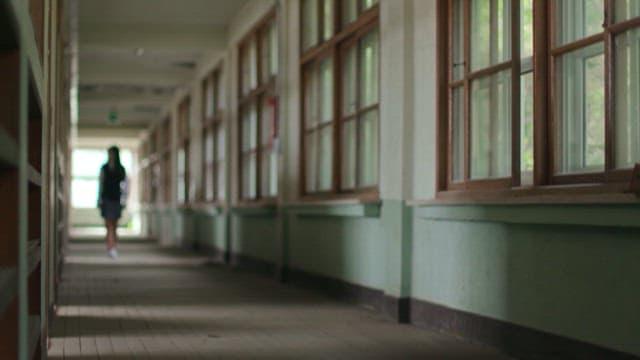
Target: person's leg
x: 115, y: 232
x: 110, y: 234
x: 107, y: 238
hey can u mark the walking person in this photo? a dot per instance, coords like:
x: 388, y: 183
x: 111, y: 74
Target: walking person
x: 111, y: 197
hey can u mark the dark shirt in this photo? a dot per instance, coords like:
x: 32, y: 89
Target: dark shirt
x: 111, y: 182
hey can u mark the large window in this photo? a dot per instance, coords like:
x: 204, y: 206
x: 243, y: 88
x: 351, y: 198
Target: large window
x: 554, y: 109
x: 340, y: 125
x: 165, y: 162
x: 184, y: 110
x: 213, y: 138
x: 258, y: 121
x: 85, y: 171
x: 340, y: 74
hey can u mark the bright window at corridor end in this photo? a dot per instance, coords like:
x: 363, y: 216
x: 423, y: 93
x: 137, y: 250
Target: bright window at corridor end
x: 85, y: 173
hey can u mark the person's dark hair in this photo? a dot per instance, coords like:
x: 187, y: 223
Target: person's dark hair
x: 116, y: 155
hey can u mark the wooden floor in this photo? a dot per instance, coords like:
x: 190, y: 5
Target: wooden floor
x: 153, y: 303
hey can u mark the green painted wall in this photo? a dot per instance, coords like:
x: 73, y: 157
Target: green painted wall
x: 254, y: 236
x: 346, y: 248
x: 209, y: 231
x: 572, y: 280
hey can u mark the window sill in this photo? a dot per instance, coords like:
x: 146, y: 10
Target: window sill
x: 208, y: 208
x: 595, y: 194
x: 264, y: 207
x: 335, y: 208
x: 589, y: 205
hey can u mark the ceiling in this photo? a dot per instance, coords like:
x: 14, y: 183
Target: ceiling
x: 134, y: 54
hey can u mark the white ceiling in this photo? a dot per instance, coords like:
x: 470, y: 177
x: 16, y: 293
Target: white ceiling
x: 134, y: 54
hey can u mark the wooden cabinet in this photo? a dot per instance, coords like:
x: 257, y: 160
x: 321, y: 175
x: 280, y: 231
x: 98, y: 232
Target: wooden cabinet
x: 28, y: 116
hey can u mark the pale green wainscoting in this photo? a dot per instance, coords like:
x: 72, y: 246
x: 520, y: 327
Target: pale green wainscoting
x: 568, y: 271
x: 571, y: 271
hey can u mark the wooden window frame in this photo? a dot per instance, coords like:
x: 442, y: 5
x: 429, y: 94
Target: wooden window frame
x: 349, y: 34
x: 184, y: 110
x: 165, y: 168
x: 264, y: 90
x: 212, y: 124
x: 545, y: 53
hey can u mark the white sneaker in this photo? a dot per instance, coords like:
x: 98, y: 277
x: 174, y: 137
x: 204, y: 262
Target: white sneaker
x: 113, y: 253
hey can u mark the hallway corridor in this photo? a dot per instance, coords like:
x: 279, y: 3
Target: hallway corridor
x: 155, y: 303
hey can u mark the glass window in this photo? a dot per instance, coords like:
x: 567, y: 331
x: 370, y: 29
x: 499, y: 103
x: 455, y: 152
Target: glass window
x: 490, y: 139
x: 309, y: 24
x: 627, y: 95
x: 368, y: 157
x: 340, y: 101
x: 526, y: 124
x: 369, y: 69
x: 580, y: 110
x: 490, y: 38
x: 626, y: 9
x: 349, y: 11
x: 458, y: 152
x: 258, y: 125
x: 578, y: 19
x: 366, y: 4
x: 327, y: 16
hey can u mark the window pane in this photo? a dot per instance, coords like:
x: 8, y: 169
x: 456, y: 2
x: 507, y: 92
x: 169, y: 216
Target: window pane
x: 349, y: 11
x: 325, y: 155
x: 266, y: 122
x: 245, y: 71
x: 265, y: 61
x: 309, y: 24
x: 220, y: 181
x: 253, y: 64
x: 208, y: 147
x: 578, y: 19
x: 490, y: 138
x: 327, y: 9
x: 349, y: 154
x: 249, y: 176
x: 273, y: 33
x: 310, y: 99
x: 580, y: 110
x: 526, y: 124
x: 274, y: 173
x: 490, y: 34
x: 220, y: 143
x: 265, y: 175
x: 349, y: 82
x: 458, y: 39
x: 311, y: 162
x: 209, y: 97
x: 369, y: 69
x: 368, y: 156
x: 220, y: 91
x: 458, y: 134
x: 208, y: 170
x: 84, y: 193
x: 627, y: 99
x: 181, y: 161
x: 87, y: 162
x: 246, y: 131
x: 626, y: 9
x: 526, y: 24
x: 326, y: 91
x: 208, y: 183
x: 368, y: 3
